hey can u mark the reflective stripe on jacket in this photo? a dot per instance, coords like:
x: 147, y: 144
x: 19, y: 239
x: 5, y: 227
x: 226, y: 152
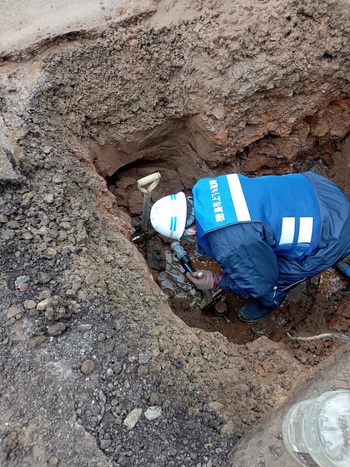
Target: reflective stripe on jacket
x: 287, y: 204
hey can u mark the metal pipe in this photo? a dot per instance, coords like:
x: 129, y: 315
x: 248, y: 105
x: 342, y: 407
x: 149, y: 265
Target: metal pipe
x: 184, y: 259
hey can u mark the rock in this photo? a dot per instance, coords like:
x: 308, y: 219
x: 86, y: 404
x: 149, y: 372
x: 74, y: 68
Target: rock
x: 7, y: 234
x: 227, y: 429
x: 153, y: 412
x: 22, y: 283
x: 53, y: 461
x: 87, y: 367
x: 37, y: 341
x: 56, y: 329
x: 49, y: 313
x: 83, y: 327
x: 6, y: 169
x: 144, y: 358
x: 91, y: 278
x: 29, y: 304
x: 44, y: 304
x: 49, y: 198
x: 44, y: 277
x: 133, y: 417
x: 57, y: 179
x: 13, y: 311
x: 33, y: 312
x: 105, y: 443
x: 216, y: 406
x: 50, y: 252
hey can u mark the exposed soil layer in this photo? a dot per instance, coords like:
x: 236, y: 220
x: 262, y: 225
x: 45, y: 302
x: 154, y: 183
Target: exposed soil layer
x: 101, y: 362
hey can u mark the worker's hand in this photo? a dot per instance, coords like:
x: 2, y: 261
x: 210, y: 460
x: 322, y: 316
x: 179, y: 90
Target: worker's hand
x: 209, y: 280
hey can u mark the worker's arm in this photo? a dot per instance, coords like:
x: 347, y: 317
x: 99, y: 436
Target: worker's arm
x: 245, y: 254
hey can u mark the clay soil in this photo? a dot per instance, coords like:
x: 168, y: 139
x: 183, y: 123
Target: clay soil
x: 106, y: 358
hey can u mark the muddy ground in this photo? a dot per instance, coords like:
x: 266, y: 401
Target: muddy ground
x: 102, y: 364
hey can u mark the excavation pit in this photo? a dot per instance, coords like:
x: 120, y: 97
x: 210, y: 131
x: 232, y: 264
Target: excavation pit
x: 107, y: 334
x: 308, y: 309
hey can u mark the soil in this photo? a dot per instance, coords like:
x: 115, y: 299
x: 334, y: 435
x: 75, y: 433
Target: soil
x: 106, y: 358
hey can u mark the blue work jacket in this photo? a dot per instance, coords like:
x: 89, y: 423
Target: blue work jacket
x: 270, y: 233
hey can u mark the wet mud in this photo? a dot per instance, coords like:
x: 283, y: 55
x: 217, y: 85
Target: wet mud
x: 310, y: 308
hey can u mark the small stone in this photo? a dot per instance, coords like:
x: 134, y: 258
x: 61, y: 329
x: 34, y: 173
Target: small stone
x: 22, y: 283
x: 27, y: 199
x: 37, y: 340
x: 144, y: 358
x: 13, y: 311
x: 87, y: 367
x: 8, y: 234
x: 84, y: 327
x: 57, y: 179
x: 44, y: 277
x: 49, y: 198
x: 27, y: 236
x: 49, y: 313
x: 29, y: 304
x: 33, y: 312
x: 62, y: 235
x: 153, y: 412
x: 56, y: 329
x: 216, y: 406
x: 41, y: 306
x: 227, y: 429
x: 51, y: 252
x: 53, y: 461
x: 44, y: 294
x: 105, y: 443
x: 91, y: 278
x: 133, y: 417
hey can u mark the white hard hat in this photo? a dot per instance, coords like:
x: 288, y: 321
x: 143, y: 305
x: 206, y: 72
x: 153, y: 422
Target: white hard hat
x: 168, y: 215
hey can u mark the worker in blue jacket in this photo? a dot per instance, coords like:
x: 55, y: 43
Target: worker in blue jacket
x: 267, y: 233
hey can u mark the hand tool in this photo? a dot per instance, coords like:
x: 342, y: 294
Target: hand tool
x: 141, y: 232
x: 151, y: 180
x: 210, y: 297
x: 184, y: 259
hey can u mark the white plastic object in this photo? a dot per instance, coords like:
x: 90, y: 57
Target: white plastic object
x: 316, y: 431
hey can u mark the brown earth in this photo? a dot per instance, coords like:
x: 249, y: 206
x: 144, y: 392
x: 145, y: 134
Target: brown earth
x: 99, y: 365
